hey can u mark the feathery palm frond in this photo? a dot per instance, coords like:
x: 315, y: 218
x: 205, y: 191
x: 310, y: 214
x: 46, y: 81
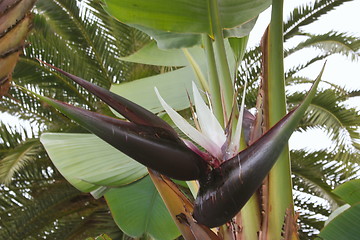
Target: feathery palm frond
x: 39, y: 202
x: 16, y: 158
x: 315, y: 175
x: 340, y: 122
x: 330, y: 43
x: 80, y: 37
x: 307, y: 14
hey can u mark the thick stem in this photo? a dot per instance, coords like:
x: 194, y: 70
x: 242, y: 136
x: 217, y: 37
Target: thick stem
x: 213, y: 80
x: 249, y: 219
x: 280, y: 186
x: 226, y: 83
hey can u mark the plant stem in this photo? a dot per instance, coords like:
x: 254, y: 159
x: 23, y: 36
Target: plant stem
x: 226, y: 83
x: 280, y: 186
x: 250, y: 219
x: 214, y: 85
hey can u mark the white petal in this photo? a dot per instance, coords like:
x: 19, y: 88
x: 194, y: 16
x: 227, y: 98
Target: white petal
x: 189, y: 130
x: 208, y: 123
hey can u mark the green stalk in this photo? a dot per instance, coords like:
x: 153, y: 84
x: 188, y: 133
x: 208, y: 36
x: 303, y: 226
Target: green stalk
x: 250, y: 214
x: 250, y: 219
x: 280, y: 186
x: 214, y: 85
x: 226, y: 84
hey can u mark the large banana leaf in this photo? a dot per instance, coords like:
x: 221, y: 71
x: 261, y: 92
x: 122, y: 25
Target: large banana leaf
x: 174, y: 84
x: 179, y: 24
x: 184, y: 16
x: 344, y: 226
x: 344, y: 222
x: 138, y: 209
x: 88, y: 162
x: 349, y: 191
x: 151, y: 54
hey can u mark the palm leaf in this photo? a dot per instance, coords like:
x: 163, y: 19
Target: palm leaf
x: 338, y: 121
x: 17, y: 158
x: 307, y: 14
x: 331, y: 43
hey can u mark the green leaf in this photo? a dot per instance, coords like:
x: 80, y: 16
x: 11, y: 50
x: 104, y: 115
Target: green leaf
x: 17, y: 158
x: 238, y: 46
x: 173, y: 85
x: 88, y: 162
x: 151, y: 54
x: 344, y: 226
x: 184, y: 16
x: 240, y: 31
x: 174, y: 40
x: 138, y: 209
x: 170, y: 40
x: 349, y: 191
x: 336, y: 213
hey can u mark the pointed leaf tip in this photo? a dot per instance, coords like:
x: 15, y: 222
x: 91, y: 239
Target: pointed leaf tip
x: 130, y: 110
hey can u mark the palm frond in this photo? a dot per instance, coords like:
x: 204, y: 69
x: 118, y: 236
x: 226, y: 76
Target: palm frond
x: 309, y: 172
x: 307, y: 14
x: 315, y: 175
x: 39, y: 203
x: 294, y: 70
x: 17, y: 158
x: 81, y: 38
x: 331, y: 43
x: 24, y: 106
x: 343, y: 93
x: 10, y: 137
x: 340, y: 122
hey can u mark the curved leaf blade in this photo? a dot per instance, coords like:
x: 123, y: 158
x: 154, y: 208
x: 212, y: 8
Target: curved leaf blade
x: 173, y: 85
x: 138, y: 209
x: 349, y: 191
x: 17, y: 158
x: 152, y: 55
x: 343, y: 226
x: 88, y: 162
x: 184, y: 16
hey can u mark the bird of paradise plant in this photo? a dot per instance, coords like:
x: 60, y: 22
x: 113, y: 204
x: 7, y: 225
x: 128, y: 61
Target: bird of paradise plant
x: 222, y: 169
